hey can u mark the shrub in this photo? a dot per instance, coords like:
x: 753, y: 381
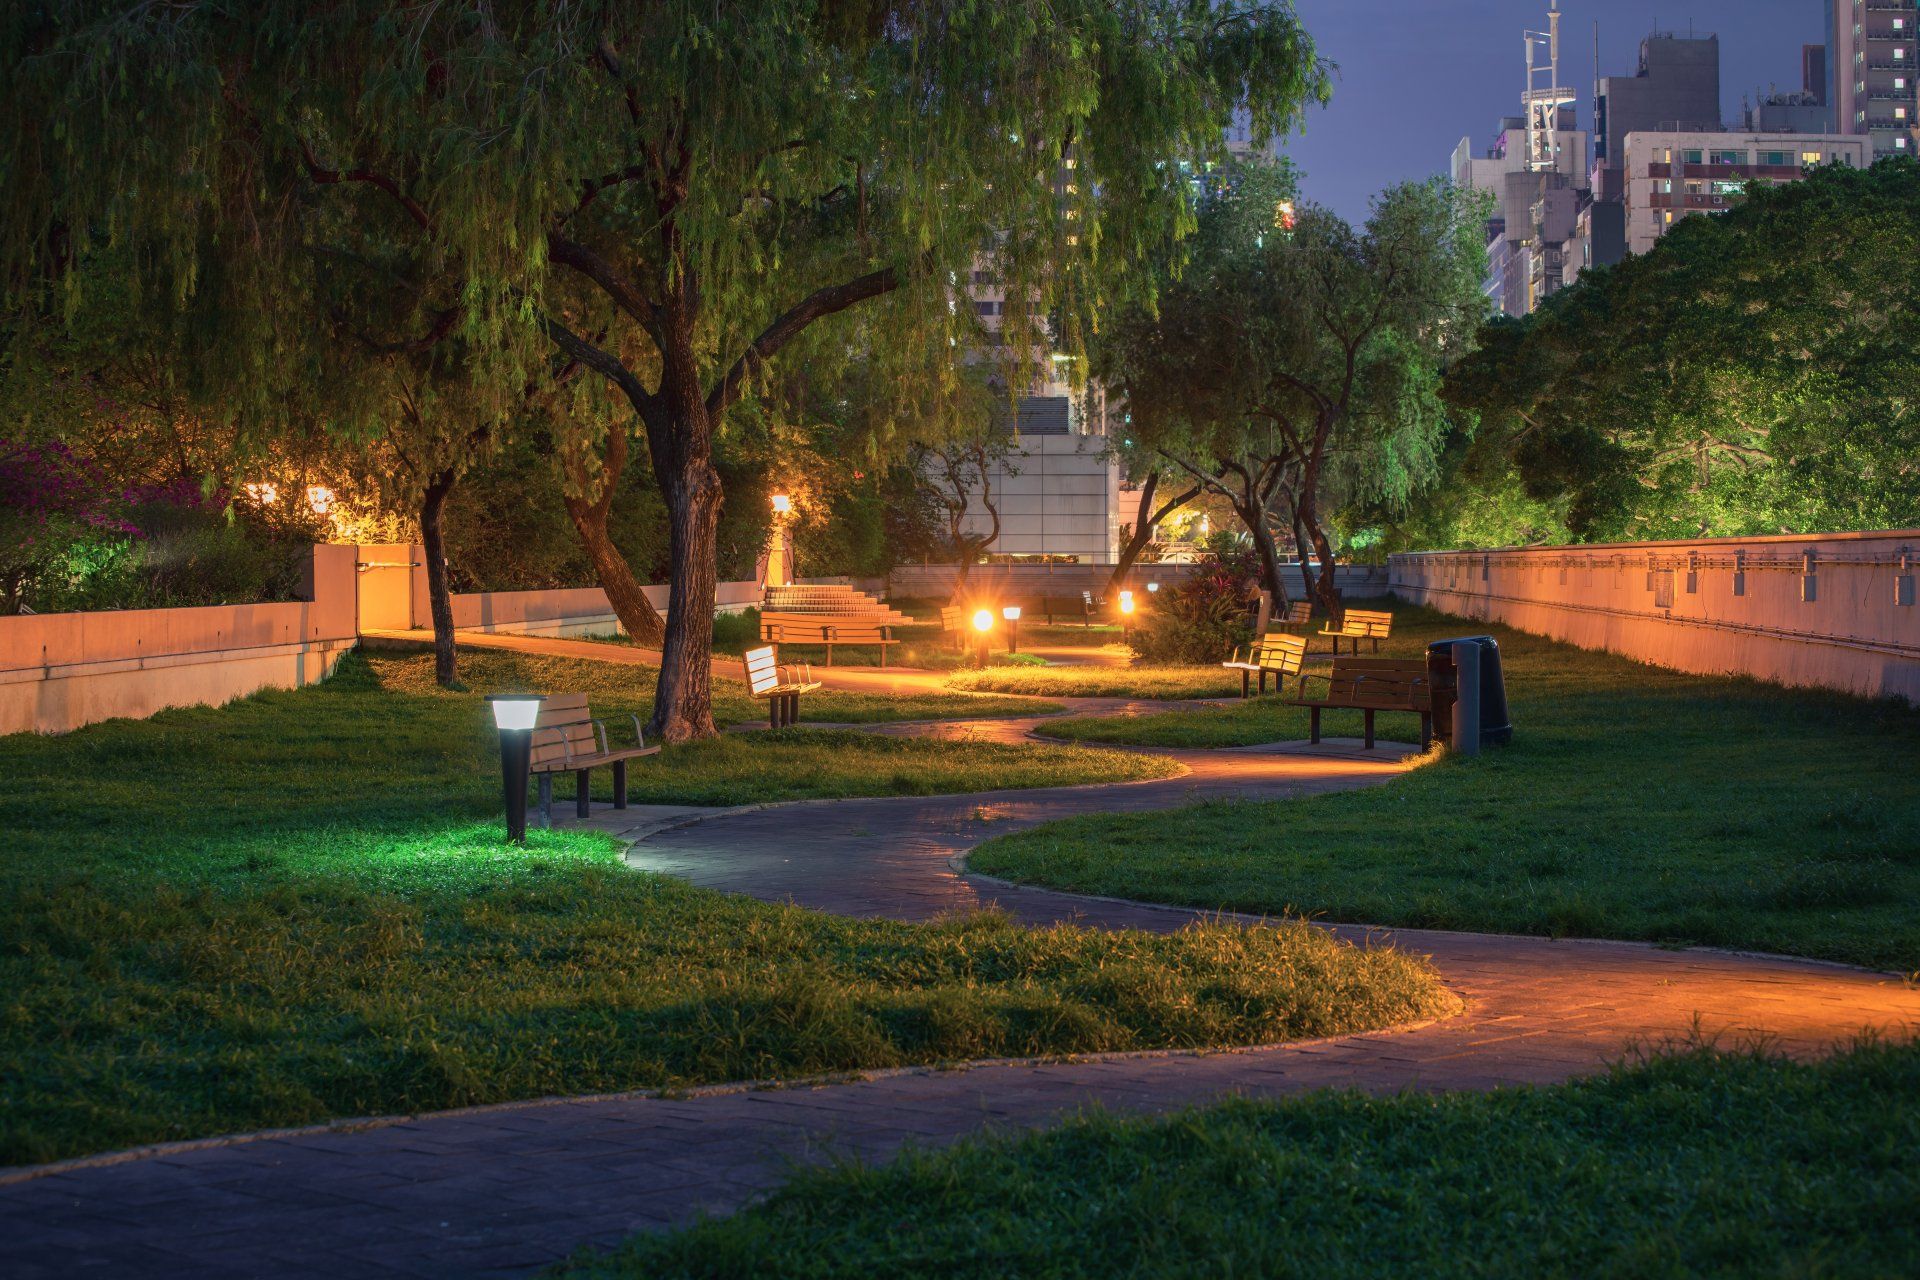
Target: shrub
x: 1200, y: 620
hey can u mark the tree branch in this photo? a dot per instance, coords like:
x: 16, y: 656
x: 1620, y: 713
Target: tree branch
x: 622, y: 291
x: 328, y: 177
x: 819, y: 303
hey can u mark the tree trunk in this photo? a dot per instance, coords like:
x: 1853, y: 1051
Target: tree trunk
x: 433, y: 505
x: 1325, y: 588
x: 1256, y: 523
x: 636, y: 613
x: 683, y: 705
x: 1300, y: 544
x: 1145, y: 523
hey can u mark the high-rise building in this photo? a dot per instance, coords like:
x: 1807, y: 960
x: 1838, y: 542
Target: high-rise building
x: 1870, y: 69
x: 1677, y: 86
x: 1813, y: 72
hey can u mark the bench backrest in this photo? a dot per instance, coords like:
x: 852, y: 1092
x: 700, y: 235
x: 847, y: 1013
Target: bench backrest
x: 806, y: 628
x: 1086, y: 598
x: 952, y: 617
x: 564, y: 729
x: 1296, y: 613
x: 1281, y: 654
x: 1380, y: 682
x: 1377, y: 623
x: 763, y: 670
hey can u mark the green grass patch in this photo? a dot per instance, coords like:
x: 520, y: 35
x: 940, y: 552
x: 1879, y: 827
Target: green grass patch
x: 1091, y: 681
x: 299, y: 907
x: 1694, y: 1164
x: 1633, y: 803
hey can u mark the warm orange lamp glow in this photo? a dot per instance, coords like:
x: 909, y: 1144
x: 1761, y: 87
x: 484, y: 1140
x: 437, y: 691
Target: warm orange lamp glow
x: 983, y: 620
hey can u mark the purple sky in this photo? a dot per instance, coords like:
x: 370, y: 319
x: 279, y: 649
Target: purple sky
x: 1416, y: 75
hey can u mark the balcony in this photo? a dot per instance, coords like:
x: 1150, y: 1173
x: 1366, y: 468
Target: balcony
x: 1676, y: 200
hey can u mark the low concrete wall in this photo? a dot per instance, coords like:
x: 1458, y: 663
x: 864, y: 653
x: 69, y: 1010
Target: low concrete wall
x: 60, y: 671
x: 1065, y: 581
x: 63, y: 670
x: 1831, y: 610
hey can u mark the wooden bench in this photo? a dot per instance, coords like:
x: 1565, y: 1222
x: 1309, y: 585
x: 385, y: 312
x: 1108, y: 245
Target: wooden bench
x: 1297, y: 614
x: 803, y: 628
x: 1278, y: 656
x: 780, y: 686
x: 1370, y: 685
x: 567, y: 739
x: 1361, y: 624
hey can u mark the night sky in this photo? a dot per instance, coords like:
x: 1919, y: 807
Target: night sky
x: 1416, y: 75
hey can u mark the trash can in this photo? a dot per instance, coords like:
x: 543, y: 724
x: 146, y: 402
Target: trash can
x: 1495, y: 729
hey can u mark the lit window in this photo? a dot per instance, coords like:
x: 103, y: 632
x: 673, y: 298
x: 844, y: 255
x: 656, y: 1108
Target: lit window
x: 1809, y: 157
x: 1899, y: 113
x: 1899, y: 24
x: 1899, y: 82
x: 1900, y: 143
x: 1899, y: 54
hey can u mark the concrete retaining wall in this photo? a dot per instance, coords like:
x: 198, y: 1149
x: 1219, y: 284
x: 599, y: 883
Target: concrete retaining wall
x: 1830, y: 610
x: 63, y: 670
x: 1067, y: 581
x: 60, y: 671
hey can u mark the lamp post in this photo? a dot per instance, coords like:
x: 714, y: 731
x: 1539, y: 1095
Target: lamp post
x: 779, y: 557
x: 514, y: 715
x: 983, y: 626
x: 1152, y: 587
x: 1012, y: 614
x: 1126, y: 617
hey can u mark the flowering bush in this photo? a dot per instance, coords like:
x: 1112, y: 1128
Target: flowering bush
x: 1201, y: 620
x: 57, y: 520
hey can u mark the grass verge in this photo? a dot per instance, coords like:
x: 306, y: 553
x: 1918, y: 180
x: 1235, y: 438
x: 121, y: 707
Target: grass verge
x: 298, y: 907
x: 1692, y: 1164
x: 1633, y: 803
x: 1089, y: 681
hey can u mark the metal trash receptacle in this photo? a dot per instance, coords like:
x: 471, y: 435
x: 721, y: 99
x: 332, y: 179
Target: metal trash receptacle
x: 1495, y: 727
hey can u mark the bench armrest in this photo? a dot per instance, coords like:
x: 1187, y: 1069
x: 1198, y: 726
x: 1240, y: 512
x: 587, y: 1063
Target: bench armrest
x: 600, y: 732
x: 639, y: 734
x: 1314, y: 675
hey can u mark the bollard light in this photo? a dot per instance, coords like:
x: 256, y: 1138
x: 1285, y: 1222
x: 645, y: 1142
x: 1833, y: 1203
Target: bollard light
x: 1152, y: 587
x: 782, y: 505
x: 1126, y: 617
x: 1126, y: 602
x: 982, y: 625
x: 1012, y: 614
x: 515, y: 715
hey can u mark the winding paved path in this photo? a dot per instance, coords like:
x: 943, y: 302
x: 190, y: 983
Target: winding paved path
x: 505, y: 1190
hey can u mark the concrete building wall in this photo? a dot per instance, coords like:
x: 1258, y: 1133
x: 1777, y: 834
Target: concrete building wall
x: 1058, y: 495
x: 1871, y: 65
x: 1835, y: 611
x: 1671, y: 175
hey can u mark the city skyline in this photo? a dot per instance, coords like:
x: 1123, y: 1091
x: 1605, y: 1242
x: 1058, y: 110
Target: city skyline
x: 1464, y: 59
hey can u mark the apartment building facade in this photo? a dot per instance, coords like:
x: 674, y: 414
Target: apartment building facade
x: 1870, y: 72
x: 1673, y: 174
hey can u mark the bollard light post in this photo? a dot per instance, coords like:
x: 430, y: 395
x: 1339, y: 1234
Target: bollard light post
x: 515, y: 715
x: 983, y: 627
x: 1126, y: 618
x: 1012, y: 614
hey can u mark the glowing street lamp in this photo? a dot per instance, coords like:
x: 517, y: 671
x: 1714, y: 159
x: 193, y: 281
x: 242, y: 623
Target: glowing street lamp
x: 782, y: 505
x: 983, y: 627
x: 1012, y: 614
x: 1126, y: 617
x: 515, y: 715
x: 1152, y: 587
x: 779, y: 551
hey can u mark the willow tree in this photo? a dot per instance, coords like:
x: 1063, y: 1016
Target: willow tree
x: 1297, y: 360
x: 671, y: 195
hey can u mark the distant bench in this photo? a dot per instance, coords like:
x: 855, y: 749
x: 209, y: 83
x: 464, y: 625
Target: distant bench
x: 1361, y: 624
x: 1370, y: 685
x: 567, y: 739
x: 807, y: 628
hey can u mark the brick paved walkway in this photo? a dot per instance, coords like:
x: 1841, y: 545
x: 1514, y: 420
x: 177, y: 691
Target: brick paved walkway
x: 506, y: 1190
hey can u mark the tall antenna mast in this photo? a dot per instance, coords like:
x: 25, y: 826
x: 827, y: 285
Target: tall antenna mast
x: 1543, y: 102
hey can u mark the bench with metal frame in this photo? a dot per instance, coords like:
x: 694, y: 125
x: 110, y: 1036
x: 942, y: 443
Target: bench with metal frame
x: 780, y: 686
x: 567, y: 739
x: 1369, y: 685
x: 1361, y: 624
x: 1274, y: 655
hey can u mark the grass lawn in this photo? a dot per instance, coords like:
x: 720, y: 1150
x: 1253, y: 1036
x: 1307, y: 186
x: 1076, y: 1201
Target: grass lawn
x: 1091, y: 681
x: 1695, y: 1164
x: 1633, y: 803
x: 298, y: 907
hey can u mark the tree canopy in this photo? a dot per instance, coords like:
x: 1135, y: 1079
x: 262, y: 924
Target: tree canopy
x: 668, y: 195
x: 1754, y: 372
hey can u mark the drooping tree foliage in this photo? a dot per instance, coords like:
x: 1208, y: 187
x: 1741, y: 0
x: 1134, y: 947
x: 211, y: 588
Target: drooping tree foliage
x: 1754, y: 372
x: 670, y: 195
x: 1293, y: 365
